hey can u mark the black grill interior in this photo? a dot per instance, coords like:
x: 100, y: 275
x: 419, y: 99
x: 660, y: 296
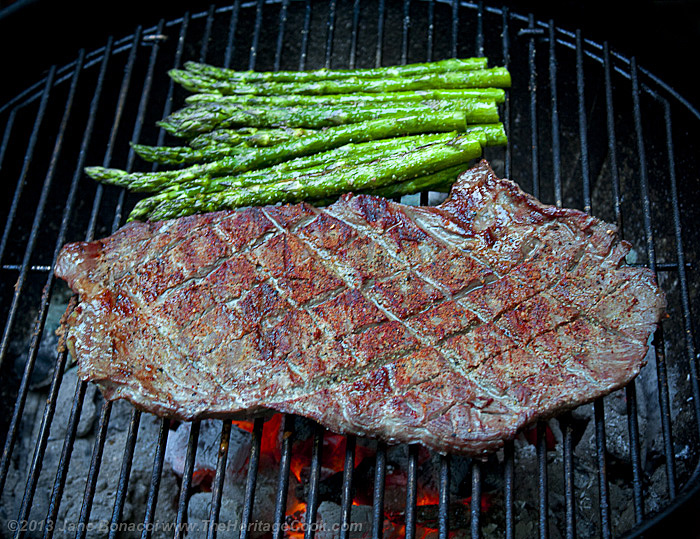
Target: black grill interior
x: 589, y: 128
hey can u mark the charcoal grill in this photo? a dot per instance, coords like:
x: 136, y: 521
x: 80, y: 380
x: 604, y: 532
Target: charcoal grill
x: 589, y: 128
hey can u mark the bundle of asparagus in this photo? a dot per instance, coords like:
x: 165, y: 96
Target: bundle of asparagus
x: 267, y: 137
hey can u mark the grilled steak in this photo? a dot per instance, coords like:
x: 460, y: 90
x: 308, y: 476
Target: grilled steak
x: 453, y: 326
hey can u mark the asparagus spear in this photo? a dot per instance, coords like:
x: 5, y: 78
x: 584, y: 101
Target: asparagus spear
x: 438, y: 181
x: 479, y: 78
x: 262, y: 157
x: 496, y: 94
x: 250, y: 136
x: 344, y: 155
x: 181, y: 154
x: 173, y: 155
x: 493, y: 134
x: 452, y: 64
x: 318, y: 163
x: 193, y: 120
x: 233, y: 137
x: 178, y: 155
x: 376, y: 174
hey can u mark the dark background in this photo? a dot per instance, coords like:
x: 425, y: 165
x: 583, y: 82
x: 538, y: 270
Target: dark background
x: 664, y: 35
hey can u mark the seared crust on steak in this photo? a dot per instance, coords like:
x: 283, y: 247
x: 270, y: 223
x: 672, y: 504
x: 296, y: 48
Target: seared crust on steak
x: 453, y: 326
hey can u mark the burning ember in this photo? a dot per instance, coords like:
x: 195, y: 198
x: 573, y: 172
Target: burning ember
x: 296, y: 515
x: 550, y: 441
x: 270, y: 442
x: 332, y: 456
x: 333, y: 453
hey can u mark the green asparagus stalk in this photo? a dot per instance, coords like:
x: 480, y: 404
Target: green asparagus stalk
x: 174, y: 155
x: 250, y: 136
x: 410, y: 70
x: 179, y: 155
x: 440, y: 181
x: 497, y: 77
x: 490, y: 94
x: 262, y: 157
x: 376, y: 174
x: 232, y: 137
x: 344, y: 155
x: 493, y: 134
x: 318, y: 163
x: 193, y: 120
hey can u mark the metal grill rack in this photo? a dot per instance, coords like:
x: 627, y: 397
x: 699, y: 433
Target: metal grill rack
x: 588, y: 128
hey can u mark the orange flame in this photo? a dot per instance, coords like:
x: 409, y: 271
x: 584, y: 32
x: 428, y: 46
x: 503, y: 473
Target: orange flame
x: 244, y: 425
x: 300, y: 459
x: 269, y: 441
x: 294, y: 519
x: 427, y: 498
x: 486, y: 502
x: 332, y: 454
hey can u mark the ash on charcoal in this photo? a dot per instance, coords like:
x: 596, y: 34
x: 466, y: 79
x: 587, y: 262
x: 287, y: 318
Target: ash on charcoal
x: 199, y: 508
x: 71, y: 502
x: 46, y: 351
x: 648, y: 407
x: 330, y: 520
x: 207, y: 453
x: 330, y: 487
x: 585, y: 472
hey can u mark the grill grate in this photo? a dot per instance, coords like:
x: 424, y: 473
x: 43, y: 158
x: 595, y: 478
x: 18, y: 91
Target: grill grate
x: 589, y: 128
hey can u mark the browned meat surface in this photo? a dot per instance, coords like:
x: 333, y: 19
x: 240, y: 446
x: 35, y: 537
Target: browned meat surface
x: 453, y: 326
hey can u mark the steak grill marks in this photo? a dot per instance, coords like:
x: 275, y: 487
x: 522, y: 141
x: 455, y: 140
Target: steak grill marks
x: 451, y: 326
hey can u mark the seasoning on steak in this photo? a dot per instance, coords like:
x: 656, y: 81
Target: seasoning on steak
x: 453, y: 326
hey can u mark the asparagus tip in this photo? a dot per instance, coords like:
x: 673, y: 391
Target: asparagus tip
x: 103, y: 174
x: 169, y: 127
x: 176, y: 74
x: 144, y: 151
